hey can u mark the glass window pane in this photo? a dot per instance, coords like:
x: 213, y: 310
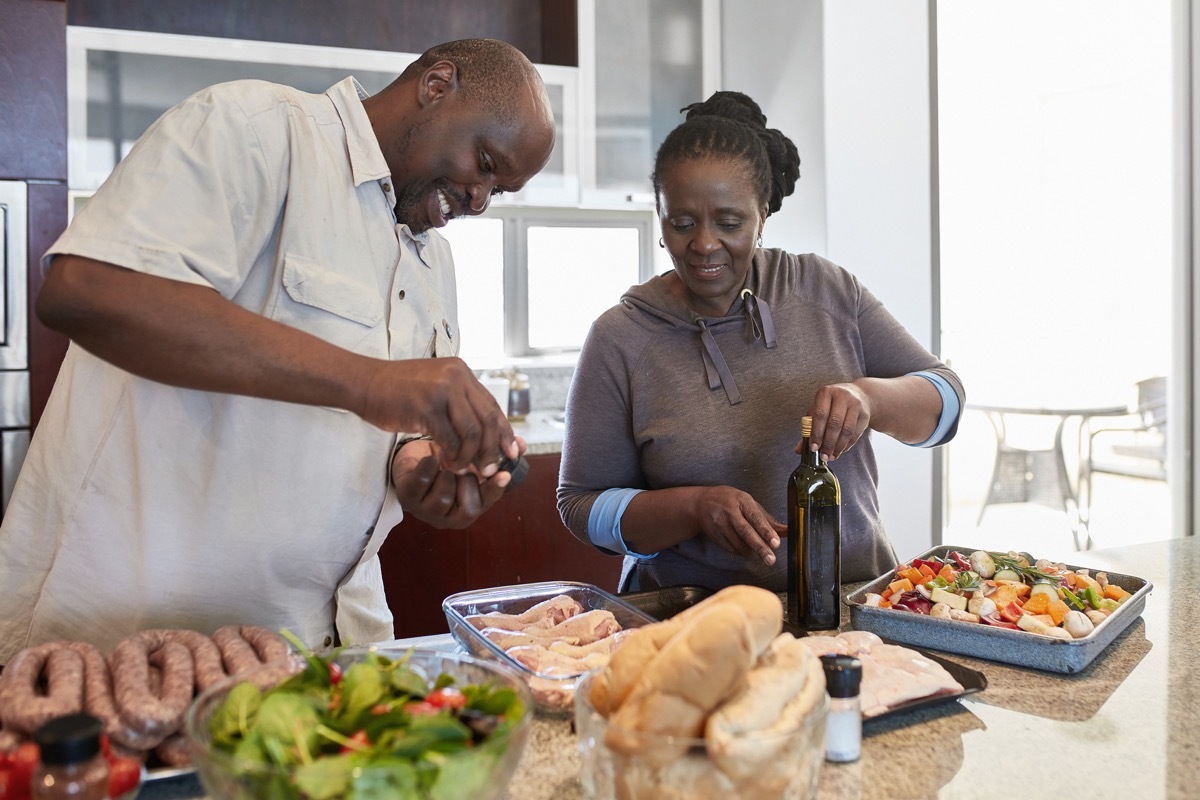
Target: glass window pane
x: 478, y: 245
x: 575, y: 274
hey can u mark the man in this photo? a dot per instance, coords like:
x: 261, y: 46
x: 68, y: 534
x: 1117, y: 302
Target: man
x: 255, y: 299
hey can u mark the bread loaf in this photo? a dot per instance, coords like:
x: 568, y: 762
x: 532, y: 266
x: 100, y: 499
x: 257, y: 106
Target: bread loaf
x: 764, y: 615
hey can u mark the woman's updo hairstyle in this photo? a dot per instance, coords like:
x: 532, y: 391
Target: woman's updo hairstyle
x: 731, y: 125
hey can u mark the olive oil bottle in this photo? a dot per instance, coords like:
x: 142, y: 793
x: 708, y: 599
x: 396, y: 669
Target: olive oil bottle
x: 814, y: 541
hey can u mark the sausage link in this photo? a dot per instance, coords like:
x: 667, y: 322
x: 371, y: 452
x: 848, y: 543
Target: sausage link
x: 98, y: 699
x: 154, y: 715
x: 244, y: 647
x: 206, y: 656
x: 174, y: 751
x: 40, y: 683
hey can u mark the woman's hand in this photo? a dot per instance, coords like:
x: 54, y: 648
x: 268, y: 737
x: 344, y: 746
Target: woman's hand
x: 841, y: 413
x: 736, y: 522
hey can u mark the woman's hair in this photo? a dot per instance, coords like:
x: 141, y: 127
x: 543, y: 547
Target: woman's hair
x: 730, y: 125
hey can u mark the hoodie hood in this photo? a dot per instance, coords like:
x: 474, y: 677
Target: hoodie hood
x: 749, y: 311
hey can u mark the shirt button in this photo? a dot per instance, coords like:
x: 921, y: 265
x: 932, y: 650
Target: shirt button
x: 387, y: 187
x: 400, y: 294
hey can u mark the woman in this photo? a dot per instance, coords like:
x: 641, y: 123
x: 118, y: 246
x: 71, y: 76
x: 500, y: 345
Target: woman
x: 683, y: 418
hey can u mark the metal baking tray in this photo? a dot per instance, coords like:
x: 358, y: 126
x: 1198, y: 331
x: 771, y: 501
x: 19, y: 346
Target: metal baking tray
x: 519, y: 598
x: 668, y: 601
x: 1019, y: 648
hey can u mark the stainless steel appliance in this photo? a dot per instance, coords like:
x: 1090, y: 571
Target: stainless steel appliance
x: 14, y: 335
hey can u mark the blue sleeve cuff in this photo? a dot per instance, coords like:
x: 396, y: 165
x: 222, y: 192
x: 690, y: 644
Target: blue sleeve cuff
x: 950, y: 408
x: 604, y: 522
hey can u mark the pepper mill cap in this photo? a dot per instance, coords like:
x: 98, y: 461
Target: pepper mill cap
x: 843, y: 674
x: 69, y: 739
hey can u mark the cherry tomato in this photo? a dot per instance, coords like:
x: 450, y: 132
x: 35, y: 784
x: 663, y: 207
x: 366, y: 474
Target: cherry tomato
x: 446, y: 697
x: 335, y: 673
x: 24, y: 761
x: 358, y: 741
x: 8, y: 789
x: 421, y: 709
x: 123, y: 775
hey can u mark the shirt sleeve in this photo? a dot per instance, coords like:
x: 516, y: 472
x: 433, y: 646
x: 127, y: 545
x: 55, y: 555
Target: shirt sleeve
x: 197, y: 198
x: 950, y: 408
x: 604, y: 522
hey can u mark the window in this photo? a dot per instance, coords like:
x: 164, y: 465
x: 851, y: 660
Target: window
x: 532, y: 281
x: 533, y: 273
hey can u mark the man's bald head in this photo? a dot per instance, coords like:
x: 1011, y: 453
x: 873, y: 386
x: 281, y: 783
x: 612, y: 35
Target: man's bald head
x: 491, y: 73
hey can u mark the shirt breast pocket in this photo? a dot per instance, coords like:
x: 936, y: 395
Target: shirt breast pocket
x: 341, y: 309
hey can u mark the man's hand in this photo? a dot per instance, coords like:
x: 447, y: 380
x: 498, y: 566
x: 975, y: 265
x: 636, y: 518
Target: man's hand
x: 735, y: 521
x: 439, y: 496
x: 442, y: 398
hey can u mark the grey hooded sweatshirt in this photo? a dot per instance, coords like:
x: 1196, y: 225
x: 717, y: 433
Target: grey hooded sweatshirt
x: 663, y: 397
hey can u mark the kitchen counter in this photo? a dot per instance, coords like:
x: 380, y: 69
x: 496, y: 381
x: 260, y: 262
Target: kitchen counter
x: 542, y: 432
x: 1127, y: 726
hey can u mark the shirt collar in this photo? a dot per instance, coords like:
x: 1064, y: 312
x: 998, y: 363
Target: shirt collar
x: 366, y: 159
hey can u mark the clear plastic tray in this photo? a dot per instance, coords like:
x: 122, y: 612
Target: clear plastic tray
x: 517, y: 599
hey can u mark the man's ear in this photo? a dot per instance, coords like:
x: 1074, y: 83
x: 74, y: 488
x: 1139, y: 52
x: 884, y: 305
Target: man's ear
x: 437, y: 82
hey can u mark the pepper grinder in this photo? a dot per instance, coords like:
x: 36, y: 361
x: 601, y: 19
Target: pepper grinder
x: 843, y: 726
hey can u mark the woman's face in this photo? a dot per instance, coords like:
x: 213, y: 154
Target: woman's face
x: 711, y: 218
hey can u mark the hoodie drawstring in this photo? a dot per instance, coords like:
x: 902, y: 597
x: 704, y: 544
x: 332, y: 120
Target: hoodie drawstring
x: 715, y: 366
x: 762, y: 326
x: 754, y: 304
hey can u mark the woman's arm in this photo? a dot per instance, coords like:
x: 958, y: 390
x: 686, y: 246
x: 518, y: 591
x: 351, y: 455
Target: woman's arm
x: 657, y: 520
x: 906, y: 408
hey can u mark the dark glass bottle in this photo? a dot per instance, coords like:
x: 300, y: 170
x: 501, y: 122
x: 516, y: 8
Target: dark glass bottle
x: 814, y: 541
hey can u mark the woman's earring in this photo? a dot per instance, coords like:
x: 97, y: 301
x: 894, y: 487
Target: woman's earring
x: 760, y: 240
x: 663, y: 246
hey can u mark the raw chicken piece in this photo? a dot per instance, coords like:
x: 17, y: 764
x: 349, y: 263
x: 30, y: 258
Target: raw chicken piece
x: 506, y: 639
x: 859, y: 641
x: 825, y: 645
x: 543, y: 615
x: 586, y: 627
x: 545, y: 661
x: 607, y: 645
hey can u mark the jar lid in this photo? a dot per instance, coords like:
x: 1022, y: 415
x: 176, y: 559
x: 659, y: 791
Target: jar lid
x: 69, y: 739
x: 843, y: 674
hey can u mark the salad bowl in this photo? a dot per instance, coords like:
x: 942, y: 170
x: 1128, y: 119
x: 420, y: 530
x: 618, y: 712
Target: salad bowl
x: 363, y: 723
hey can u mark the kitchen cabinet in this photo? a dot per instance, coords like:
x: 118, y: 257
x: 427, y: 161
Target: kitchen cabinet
x: 639, y: 63
x: 521, y: 539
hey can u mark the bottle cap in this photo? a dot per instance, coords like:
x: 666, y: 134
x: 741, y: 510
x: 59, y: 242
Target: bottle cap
x: 843, y: 674
x: 517, y: 468
x: 69, y: 739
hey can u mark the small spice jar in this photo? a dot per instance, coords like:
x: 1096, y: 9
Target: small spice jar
x: 518, y: 396
x: 72, y: 765
x: 843, y: 726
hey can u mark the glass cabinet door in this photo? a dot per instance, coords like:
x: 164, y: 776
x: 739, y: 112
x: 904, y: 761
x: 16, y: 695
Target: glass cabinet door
x: 639, y: 64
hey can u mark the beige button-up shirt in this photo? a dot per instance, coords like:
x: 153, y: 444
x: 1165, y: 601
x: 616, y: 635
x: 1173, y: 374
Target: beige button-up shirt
x: 142, y: 505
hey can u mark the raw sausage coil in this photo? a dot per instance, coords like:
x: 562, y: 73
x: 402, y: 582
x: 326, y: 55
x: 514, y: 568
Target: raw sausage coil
x: 147, y: 712
x: 40, y: 683
x: 246, y: 648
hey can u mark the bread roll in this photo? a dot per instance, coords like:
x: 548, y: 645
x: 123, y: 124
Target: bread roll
x: 698, y: 668
x: 763, y: 611
x: 778, y: 695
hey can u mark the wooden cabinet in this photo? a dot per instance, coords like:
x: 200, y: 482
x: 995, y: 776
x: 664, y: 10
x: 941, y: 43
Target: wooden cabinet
x: 519, y: 540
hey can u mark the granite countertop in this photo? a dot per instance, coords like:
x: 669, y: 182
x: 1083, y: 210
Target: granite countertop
x: 1127, y: 726
x: 542, y: 431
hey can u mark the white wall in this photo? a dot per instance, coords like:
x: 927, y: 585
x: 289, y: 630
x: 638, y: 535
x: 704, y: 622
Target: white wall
x: 848, y: 81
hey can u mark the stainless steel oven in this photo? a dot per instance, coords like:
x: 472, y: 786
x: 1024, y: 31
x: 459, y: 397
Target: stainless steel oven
x: 14, y: 335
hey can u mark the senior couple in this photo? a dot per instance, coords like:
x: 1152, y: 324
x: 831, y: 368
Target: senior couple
x: 262, y: 377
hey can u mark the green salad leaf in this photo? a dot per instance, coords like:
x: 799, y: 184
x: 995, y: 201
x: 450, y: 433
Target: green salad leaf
x: 377, y: 730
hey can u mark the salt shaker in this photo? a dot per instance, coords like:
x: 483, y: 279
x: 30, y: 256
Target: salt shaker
x: 72, y: 765
x: 843, y: 726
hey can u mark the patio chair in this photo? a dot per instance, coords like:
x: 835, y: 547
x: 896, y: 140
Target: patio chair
x: 1134, y: 446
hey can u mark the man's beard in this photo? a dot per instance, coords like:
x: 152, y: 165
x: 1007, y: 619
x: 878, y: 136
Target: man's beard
x: 408, y: 199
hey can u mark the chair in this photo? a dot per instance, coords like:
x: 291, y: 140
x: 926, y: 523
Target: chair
x: 1134, y: 446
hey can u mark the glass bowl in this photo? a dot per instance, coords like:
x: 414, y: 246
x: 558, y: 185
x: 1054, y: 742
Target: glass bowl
x: 481, y: 771
x: 769, y: 766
